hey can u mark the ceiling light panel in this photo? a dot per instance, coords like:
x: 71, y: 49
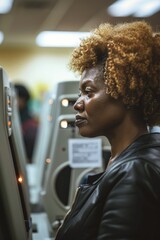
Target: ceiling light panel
x: 137, y: 8
x: 5, y: 6
x: 60, y: 39
x: 148, y: 9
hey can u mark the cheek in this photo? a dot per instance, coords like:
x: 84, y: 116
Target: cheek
x: 95, y: 107
x: 106, y: 112
x: 114, y: 115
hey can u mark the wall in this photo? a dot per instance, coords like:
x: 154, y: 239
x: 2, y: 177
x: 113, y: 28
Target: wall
x: 37, y: 66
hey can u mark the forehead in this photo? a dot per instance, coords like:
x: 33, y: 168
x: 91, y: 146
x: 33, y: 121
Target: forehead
x: 94, y: 74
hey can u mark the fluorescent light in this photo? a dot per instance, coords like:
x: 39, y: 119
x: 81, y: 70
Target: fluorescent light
x: 60, y: 39
x: 123, y: 8
x: 137, y: 8
x: 5, y: 6
x: 150, y: 8
x: 1, y: 37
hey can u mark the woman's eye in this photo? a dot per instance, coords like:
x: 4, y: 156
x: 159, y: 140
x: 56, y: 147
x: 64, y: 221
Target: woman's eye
x: 88, y: 92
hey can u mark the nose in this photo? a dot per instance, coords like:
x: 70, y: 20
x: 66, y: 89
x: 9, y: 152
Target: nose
x: 79, y: 105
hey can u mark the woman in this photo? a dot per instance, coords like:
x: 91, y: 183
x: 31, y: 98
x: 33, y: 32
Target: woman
x: 120, y: 99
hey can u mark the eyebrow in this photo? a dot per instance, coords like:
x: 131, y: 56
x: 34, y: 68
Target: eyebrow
x: 85, y: 82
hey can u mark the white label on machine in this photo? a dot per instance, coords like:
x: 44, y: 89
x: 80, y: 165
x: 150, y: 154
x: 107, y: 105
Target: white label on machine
x: 85, y: 153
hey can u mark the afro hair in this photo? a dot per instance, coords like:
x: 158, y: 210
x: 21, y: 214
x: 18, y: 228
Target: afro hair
x: 130, y: 54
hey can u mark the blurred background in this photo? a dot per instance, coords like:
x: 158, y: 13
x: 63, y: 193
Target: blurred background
x: 41, y: 67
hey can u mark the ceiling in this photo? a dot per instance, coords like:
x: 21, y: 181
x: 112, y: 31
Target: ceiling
x: 28, y: 17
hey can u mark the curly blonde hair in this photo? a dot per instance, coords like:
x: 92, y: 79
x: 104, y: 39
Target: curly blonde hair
x: 130, y: 53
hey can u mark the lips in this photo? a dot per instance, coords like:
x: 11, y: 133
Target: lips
x: 80, y: 120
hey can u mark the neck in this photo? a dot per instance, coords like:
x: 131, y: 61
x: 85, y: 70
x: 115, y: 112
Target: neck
x: 125, y: 134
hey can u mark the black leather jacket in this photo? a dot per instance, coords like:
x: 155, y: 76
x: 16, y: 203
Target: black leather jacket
x: 123, y: 203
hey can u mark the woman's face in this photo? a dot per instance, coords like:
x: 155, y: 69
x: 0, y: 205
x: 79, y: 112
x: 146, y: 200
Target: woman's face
x: 98, y: 113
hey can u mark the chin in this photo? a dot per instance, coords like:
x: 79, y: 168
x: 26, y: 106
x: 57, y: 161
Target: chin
x: 87, y: 134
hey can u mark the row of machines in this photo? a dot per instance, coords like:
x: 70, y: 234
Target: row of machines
x: 35, y: 197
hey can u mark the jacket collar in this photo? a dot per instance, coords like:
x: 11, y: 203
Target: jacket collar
x: 149, y: 140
